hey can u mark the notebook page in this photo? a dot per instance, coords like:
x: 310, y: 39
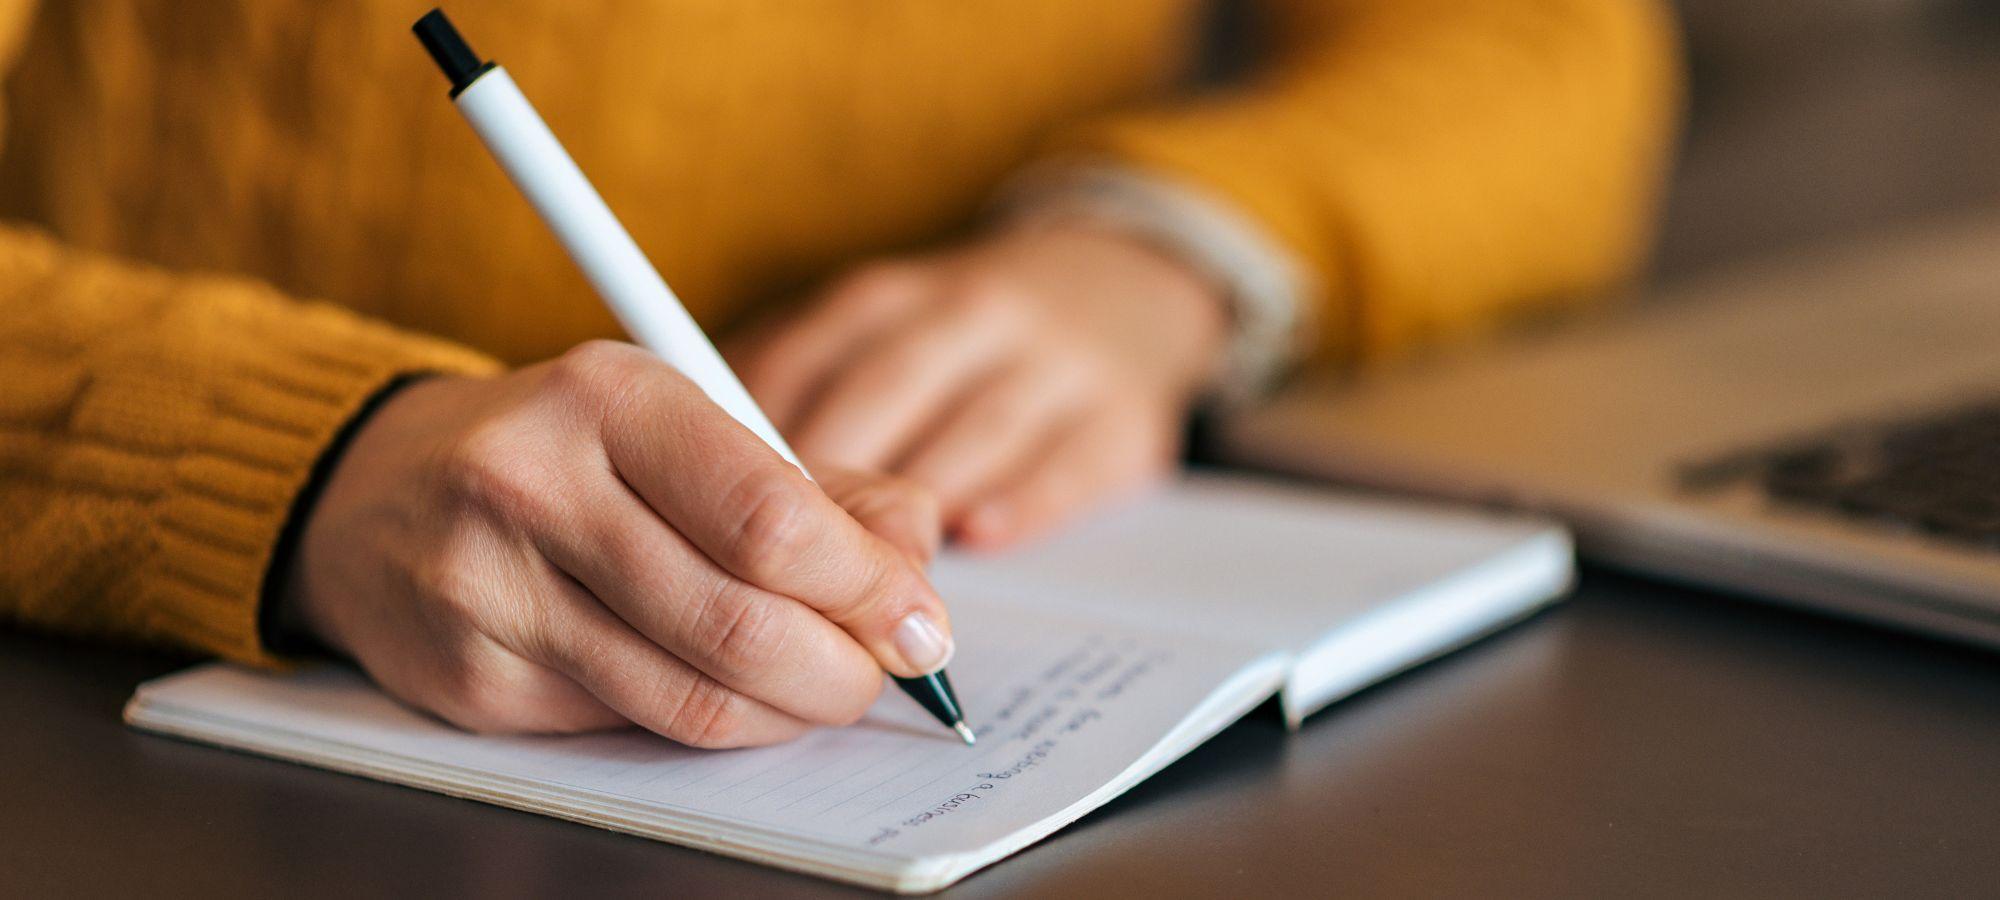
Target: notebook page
x: 1279, y: 566
x: 1061, y: 706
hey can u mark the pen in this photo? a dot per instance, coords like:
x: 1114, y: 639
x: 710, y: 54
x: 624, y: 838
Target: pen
x: 612, y: 262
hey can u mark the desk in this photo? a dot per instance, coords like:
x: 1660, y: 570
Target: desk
x: 1643, y: 739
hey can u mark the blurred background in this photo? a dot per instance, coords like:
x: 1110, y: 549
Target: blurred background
x: 1808, y: 120
x: 1814, y: 120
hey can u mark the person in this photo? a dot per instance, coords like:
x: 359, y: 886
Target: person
x: 1042, y: 249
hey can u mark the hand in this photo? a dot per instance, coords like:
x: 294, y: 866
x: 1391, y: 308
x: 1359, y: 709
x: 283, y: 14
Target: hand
x: 1022, y: 378
x: 590, y: 542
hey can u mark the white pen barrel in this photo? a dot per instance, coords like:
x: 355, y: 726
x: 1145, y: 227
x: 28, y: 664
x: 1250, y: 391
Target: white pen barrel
x: 609, y: 258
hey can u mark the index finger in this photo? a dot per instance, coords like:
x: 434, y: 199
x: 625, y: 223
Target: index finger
x: 761, y: 519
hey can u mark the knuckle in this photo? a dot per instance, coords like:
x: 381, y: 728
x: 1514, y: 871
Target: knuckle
x: 601, y: 373
x: 884, y: 593
x: 775, y: 532
x: 494, y: 468
x: 708, y: 715
x: 597, y: 356
x: 740, y: 633
x: 454, y: 588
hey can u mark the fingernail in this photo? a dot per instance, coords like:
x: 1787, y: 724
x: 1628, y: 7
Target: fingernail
x: 923, y: 646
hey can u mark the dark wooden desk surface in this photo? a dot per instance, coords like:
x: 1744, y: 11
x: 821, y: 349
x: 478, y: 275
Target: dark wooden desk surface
x: 1644, y: 740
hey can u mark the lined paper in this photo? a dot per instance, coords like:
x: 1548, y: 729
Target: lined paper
x: 1061, y: 707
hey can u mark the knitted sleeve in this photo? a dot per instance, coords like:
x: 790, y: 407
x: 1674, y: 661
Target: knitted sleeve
x: 154, y: 429
x: 1431, y: 163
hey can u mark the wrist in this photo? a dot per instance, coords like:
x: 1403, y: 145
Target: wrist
x: 284, y: 624
x: 1270, y: 298
x: 1166, y: 318
x: 1194, y: 306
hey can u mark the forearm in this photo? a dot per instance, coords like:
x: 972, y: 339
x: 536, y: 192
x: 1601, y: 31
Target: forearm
x: 1431, y: 165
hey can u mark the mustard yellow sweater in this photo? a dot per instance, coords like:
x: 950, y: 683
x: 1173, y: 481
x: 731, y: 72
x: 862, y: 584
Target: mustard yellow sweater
x: 1434, y: 162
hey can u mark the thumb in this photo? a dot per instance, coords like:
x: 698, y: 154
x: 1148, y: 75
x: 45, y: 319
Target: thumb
x: 901, y: 512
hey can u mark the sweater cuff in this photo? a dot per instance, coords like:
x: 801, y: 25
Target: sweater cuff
x: 275, y: 409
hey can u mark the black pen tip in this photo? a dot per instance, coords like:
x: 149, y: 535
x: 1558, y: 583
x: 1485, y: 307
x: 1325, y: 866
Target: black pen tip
x: 933, y: 692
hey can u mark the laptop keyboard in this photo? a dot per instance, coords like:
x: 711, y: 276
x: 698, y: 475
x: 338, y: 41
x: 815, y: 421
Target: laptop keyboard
x: 1937, y: 474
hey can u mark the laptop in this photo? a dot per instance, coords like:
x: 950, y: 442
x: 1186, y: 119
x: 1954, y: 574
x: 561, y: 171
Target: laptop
x: 1821, y: 429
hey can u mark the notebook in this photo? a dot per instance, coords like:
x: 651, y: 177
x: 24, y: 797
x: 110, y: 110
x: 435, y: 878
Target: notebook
x: 1085, y: 664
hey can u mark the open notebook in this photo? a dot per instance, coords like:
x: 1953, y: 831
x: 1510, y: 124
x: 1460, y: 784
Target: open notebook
x: 1085, y: 665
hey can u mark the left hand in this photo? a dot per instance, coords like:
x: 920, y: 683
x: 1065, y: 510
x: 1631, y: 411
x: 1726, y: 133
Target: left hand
x: 1023, y: 378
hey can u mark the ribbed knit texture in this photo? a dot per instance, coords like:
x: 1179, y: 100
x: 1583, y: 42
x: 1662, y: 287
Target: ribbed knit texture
x: 153, y: 431
x: 1435, y: 162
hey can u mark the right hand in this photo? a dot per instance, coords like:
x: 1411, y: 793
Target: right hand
x: 590, y: 542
